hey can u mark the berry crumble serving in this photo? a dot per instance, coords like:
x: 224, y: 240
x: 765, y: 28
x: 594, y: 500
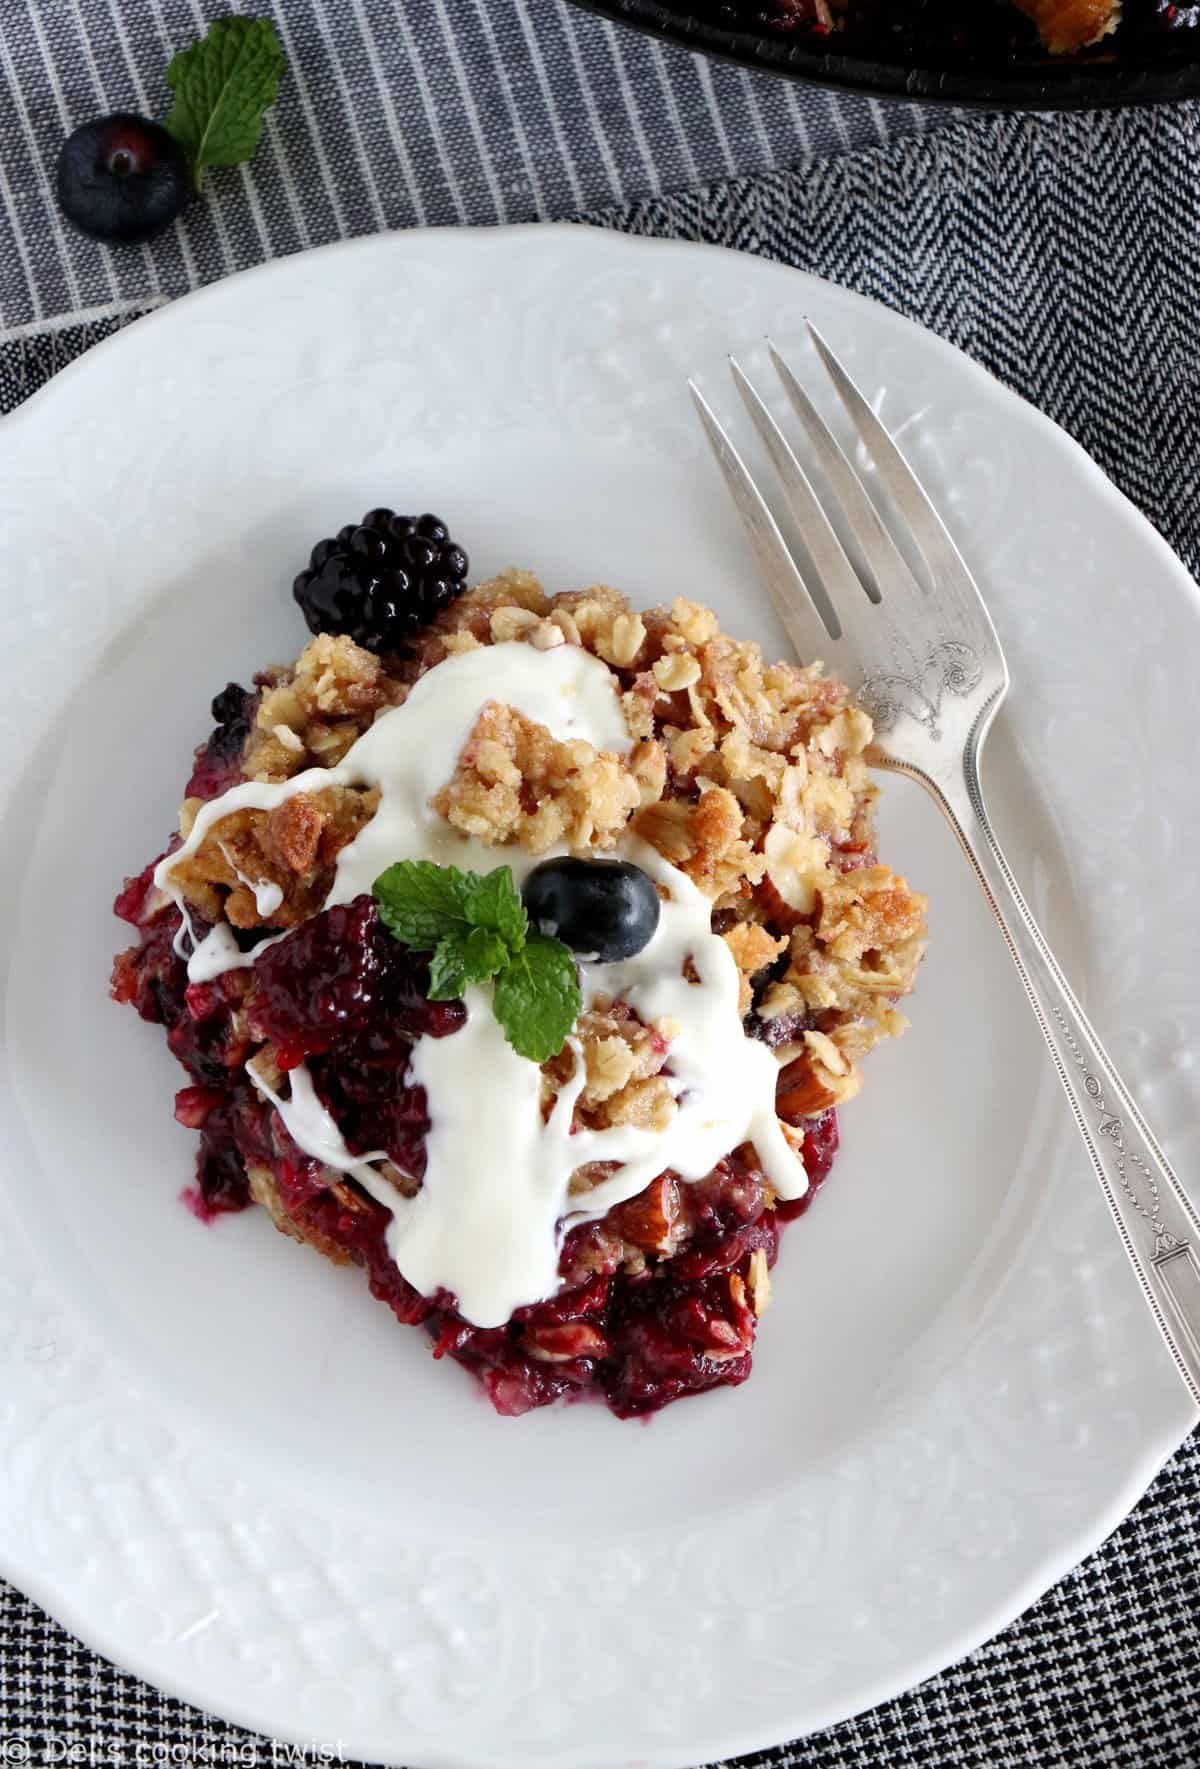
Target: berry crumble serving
x: 520, y: 949
x: 965, y: 28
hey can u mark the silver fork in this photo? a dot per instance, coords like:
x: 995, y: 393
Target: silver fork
x: 927, y: 665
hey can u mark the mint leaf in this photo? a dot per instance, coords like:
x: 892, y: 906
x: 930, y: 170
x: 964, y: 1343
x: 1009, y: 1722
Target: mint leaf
x: 494, y: 902
x: 222, y: 86
x: 448, y: 970
x: 537, y: 998
x: 484, y: 954
x: 476, y: 928
x: 421, y: 902
x: 458, y: 961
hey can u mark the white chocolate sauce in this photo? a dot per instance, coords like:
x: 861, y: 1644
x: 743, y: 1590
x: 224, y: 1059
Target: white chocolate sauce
x: 267, y: 895
x: 488, y: 1221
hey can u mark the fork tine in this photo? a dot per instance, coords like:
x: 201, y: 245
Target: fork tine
x: 835, y: 574
x: 789, y: 592
x: 939, y: 552
x: 880, y: 551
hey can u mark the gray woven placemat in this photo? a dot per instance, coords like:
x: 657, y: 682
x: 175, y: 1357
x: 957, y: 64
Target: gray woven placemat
x: 1064, y: 254
x: 393, y: 113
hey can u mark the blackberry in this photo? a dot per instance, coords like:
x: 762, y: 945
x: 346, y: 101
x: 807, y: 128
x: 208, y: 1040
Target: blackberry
x: 382, y: 581
x: 218, y: 764
x: 341, y: 975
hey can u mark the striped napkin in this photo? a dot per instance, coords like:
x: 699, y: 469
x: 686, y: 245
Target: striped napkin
x: 393, y: 113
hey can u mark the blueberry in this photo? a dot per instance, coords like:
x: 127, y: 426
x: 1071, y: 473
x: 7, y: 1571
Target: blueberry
x: 602, y: 909
x: 122, y: 178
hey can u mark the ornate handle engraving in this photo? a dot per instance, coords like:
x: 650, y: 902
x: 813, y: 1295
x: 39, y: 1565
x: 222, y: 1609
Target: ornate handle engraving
x: 1111, y: 1126
x: 949, y: 667
x: 1158, y: 1225
x: 1173, y: 1259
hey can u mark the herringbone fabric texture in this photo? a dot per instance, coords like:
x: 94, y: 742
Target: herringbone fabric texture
x: 1063, y: 254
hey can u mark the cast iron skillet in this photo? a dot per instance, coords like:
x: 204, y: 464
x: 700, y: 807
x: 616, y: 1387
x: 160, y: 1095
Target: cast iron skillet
x: 999, y: 65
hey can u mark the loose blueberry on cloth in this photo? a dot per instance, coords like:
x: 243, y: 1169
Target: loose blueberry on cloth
x: 123, y: 178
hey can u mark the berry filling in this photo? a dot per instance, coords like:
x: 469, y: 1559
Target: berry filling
x: 342, y: 975
x: 656, y: 1300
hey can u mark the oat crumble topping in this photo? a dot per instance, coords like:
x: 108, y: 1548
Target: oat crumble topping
x: 750, y: 777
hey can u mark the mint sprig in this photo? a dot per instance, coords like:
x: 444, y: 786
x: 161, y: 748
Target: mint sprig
x: 476, y: 930
x: 223, y: 85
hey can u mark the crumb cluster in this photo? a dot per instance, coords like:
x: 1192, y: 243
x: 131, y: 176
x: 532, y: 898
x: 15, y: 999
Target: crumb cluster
x: 750, y: 777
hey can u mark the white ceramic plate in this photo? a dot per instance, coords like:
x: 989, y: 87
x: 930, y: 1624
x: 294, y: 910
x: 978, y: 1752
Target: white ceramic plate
x: 223, y: 1465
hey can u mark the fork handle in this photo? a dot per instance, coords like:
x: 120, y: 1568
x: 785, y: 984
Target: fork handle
x: 1158, y: 1226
